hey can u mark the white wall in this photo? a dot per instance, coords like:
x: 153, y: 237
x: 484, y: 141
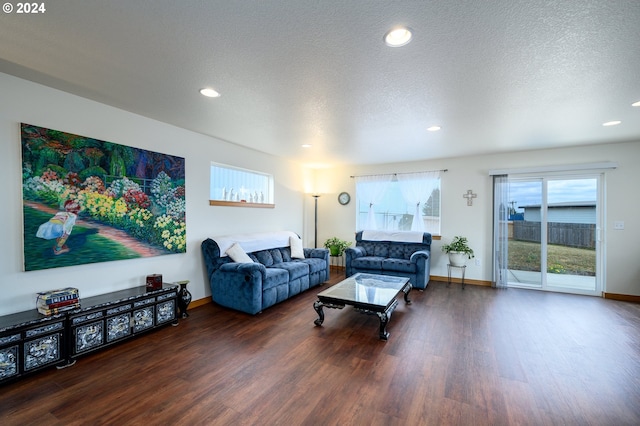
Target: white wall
x: 622, y: 269
x: 23, y: 101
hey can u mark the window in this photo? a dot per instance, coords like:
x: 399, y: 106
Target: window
x: 231, y: 185
x: 399, y: 202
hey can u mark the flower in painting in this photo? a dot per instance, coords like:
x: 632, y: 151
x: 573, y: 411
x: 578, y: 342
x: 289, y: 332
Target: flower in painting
x: 140, y: 216
x: 163, y: 193
x: 69, y: 193
x: 120, y: 186
x: 176, y: 208
x: 48, y: 190
x: 72, y: 179
x: 97, y: 205
x: 120, y: 207
x: 49, y: 175
x: 172, y: 233
x: 93, y: 184
x: 136, y: 199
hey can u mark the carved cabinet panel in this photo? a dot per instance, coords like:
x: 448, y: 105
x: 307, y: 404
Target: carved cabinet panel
x: 8, y: 362
x: 29, y: 342
x: 143, y: 319
x: 42, y: 351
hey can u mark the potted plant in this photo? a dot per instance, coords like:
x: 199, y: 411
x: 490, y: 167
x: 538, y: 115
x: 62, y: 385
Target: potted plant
x: 458, y: 251
x: 336, y: 246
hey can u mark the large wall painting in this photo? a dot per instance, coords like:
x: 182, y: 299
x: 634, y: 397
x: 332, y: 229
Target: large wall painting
x: 87, y: 200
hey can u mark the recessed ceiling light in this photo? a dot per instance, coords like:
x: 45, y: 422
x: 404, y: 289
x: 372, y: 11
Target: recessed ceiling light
x: 306, y: 145
x: 210, y: 93
x: 397, y: 37
x: 433, y: 128
x: 637, y: 104
x: 612, y: 123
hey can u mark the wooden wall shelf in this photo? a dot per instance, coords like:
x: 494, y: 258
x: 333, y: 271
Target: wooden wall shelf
x: 240, y: 204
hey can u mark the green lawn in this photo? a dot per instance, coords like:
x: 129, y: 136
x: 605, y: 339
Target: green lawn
x: 525, y: 256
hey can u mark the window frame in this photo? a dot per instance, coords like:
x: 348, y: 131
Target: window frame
x: 362, y: 208
x: 244, y: 176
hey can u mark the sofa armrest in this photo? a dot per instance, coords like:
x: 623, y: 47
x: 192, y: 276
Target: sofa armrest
x: 420, y: 254
x: 319, y: 253
x: 422, y: 260
x: 350, y: 254
x: 353, y: 252
x: 244, y: 268
x: 239, y: 286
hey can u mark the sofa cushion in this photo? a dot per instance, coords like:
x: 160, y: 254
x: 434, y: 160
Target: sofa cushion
x: 381, y: 250
x: 376, y: 248
x: 264, y: 257
x: 237, y: 254
x: 399, y: 265
x: 295, y: 269
x: 368, y: 262
x: 276, y: 255
x: 396, y: 251
x: 315, y: 264
x: 286, y: 254
x: 275, y: 277
x: 369, y: 247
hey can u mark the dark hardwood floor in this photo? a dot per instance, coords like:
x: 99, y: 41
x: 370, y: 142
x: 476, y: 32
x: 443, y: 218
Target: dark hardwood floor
x: 462, y: 357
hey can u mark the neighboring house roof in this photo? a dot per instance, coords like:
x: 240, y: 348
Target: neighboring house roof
x: 564, y: 204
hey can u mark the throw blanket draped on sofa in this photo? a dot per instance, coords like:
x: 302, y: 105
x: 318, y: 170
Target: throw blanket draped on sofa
x: 391, y: 256
x: 271, y: 277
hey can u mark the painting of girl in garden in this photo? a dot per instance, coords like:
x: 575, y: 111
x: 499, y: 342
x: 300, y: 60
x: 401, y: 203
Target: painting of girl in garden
x: 87, y: 200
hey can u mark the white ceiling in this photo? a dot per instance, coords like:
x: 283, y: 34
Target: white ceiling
x: 497, y: 75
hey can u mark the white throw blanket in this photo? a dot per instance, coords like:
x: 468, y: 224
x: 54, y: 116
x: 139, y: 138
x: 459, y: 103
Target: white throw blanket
x: 254, y: 242
x: 400, y: 236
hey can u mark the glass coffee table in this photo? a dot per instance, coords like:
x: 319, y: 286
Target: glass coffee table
x: 367, y: 293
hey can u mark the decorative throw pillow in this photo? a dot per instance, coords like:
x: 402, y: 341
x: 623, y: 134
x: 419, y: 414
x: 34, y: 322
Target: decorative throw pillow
x: 296, y: 247
x: 237, y: 254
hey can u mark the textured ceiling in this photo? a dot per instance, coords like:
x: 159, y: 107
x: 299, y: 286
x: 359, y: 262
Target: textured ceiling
x: 497, y: 75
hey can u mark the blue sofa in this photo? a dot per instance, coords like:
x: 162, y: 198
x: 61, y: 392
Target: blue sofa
x: 271, y: 277
x: 379, y: 252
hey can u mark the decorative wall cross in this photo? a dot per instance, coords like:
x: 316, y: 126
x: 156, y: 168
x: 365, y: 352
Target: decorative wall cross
x: 470, y: 196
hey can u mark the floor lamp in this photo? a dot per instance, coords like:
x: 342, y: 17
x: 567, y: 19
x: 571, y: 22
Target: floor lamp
x: 315, y: 234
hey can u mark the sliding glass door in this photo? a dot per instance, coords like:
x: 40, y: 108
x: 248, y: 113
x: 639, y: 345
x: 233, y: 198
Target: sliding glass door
x: 554, y: 233
x: 525, y: 242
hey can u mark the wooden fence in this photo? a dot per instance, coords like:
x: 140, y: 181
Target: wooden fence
x: 579, y: 235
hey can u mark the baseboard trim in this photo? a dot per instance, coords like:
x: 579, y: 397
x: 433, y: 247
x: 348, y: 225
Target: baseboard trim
x: 622, y: 297
x: 459, y: 281
x: 200, y: 302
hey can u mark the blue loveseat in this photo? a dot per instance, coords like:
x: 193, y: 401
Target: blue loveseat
x: 404, y: 254
x: 271, y: 276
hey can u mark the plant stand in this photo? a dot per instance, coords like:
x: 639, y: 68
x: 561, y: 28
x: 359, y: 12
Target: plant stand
x: 449, y: 266
x: 336, y: 262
